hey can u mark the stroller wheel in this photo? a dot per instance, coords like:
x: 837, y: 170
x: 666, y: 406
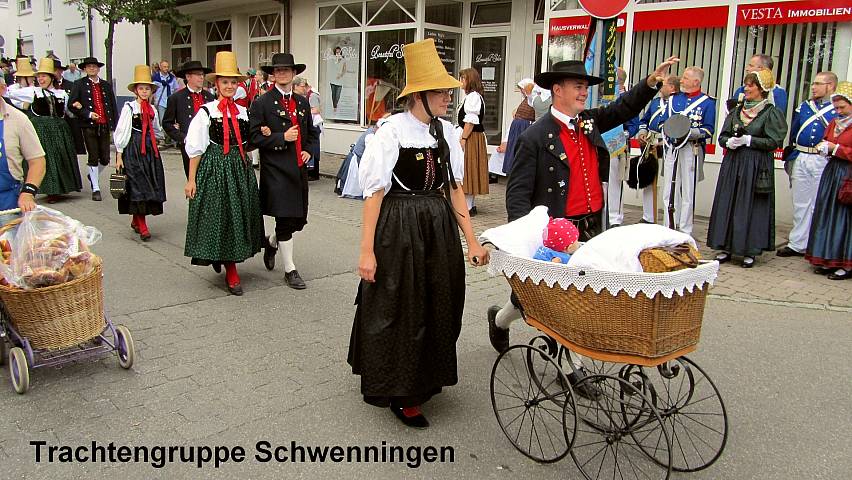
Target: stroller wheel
x: 19, y: 372
x: 124, y: 347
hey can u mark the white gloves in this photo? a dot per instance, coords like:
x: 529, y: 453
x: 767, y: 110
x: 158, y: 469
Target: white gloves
x: 823, y: 148
x: 746, y: 140
x: 735, y: 142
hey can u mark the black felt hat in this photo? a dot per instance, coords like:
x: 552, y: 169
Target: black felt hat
x: 283, y: 60
x: 563, y: 70
x: 192, y: 65
x: 89, y: 61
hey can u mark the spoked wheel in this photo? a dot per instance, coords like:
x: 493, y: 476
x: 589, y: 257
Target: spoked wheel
x: 529, y: 407
x: 124, y: 347
x: 608, y: 426
x: 551, y: 381
x: 692, y: 410
x: 19, y: 372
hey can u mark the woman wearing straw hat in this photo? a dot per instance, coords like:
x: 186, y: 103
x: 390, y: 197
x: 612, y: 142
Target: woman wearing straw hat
x: 742, y: 221
x: 136, y: 137
x: 411, y: 296
x: 225, y: 226
x: 45, y: 105
x: 24, y: 77
x: 830, y: 239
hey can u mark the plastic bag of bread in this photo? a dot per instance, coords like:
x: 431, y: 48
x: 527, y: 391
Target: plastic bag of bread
x: 47, y: 248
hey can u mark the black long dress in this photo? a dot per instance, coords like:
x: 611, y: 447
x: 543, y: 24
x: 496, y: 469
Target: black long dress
x: 146, y: 180
x: 403, y: 342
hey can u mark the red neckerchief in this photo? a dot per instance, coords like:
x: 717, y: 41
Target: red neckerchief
x: 197, y: 101
x: 148, y: 126
x: 291, y: 110
x: 694, y: 94
x: 229, y: 109
x: 98, y: 102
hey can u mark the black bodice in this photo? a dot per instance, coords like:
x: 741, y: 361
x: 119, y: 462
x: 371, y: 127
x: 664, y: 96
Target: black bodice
x: 476, y: 128
x: 48, y: 106
x: 417, y: 170
x: 217, y: 131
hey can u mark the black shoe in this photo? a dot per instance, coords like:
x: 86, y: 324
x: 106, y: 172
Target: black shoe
x: 269, y: 253
x: 587, y: 390
x: 236, y: 289
x: 294, y: 280
x: 217, y: 267
x: 472, y: 212
x: 723, y: 257
x: 748, y: 262
x: 788, y: 252
x: 822, y: 270
x: 845, y: 276
x: 96, y: 196
x: 615, y: 225
x: 499, y: 336
x: 419, y: 422
x: 642, y: 220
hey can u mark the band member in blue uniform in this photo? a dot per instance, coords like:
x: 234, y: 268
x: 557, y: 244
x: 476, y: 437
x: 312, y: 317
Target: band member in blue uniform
x: 806, y: 132
x: 650, y: 132
x: 701, y: 110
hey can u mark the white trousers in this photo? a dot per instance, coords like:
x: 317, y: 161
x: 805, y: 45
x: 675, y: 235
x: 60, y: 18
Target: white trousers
x: 807, y: 171
x: 615, y: 189
x: 648, y: 203
x: 684, y: 189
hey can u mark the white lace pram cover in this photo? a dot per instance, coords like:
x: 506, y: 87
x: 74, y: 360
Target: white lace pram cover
x: 630, y: 282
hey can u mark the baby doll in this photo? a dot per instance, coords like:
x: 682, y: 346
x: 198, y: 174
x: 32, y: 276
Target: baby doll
x: 559, y: 241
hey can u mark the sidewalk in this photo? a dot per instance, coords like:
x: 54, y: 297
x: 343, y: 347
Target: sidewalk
x: 773, y: 279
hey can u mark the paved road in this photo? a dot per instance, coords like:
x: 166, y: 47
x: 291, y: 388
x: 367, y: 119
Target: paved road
x: 214, y: 369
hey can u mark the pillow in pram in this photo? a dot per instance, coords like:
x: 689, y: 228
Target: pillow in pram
x: 618, y: 249
x: 521, y: 237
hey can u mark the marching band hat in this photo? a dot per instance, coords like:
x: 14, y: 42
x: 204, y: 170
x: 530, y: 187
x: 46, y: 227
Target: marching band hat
x: 844, y: 91
x: 23, y: 68
x: 192, y: 65
x: 47, y: 65
x: 225, y: 66
x: 283, y: 60
x: 424, y: 70
x: 141, y: 76
x: 89, y: 61
x: 563, y: 70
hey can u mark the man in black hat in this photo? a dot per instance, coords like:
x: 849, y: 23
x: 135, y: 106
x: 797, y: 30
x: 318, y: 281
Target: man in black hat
x: 182, y: 105
x: 561, y: 161
x: 283, y: 159
x: 93, y: 102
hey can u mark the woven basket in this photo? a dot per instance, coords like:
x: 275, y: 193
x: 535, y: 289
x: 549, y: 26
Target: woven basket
x: 59, y: 316
x: 659, y: 260
x: 616, y: 325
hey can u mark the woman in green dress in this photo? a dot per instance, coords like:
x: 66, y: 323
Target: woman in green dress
x: 45, y: 105
x: 742, y: 221
x: 225, y: 225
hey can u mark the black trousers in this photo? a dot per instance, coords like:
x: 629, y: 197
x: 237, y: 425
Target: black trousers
x: 336, y: 90
x: 185, y: 159
x: 97, y: 144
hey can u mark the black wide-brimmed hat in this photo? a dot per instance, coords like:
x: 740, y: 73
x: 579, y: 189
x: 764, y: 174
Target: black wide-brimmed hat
x: 563, y: 70
x: 89, y: 61
x: 192, y: 65
x: 283, y: 60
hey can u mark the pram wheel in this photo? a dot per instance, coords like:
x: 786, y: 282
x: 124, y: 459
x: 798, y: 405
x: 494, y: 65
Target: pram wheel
x: 19, y: 372
x: 692, y: 410
x: 530, y: 405
x: 611, y: 428
x: 124, y: 347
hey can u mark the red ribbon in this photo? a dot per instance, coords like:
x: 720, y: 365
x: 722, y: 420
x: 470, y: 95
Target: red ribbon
x: 229, y: 109
x: 291, y: 111
x: 148, y: 126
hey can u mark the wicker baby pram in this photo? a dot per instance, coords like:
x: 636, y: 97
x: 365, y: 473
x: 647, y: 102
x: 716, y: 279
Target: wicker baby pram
x: 625, y: 317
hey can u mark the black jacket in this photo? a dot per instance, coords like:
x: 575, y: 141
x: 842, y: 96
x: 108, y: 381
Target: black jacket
x: 540, y: 177
x: 82, y: 92
x: 281, y: 181
x: 179, y: 111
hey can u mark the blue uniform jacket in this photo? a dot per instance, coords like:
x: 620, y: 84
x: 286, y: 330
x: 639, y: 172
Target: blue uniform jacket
x: 654, y: 116
x: 814, y: 131
x: 702, y: 115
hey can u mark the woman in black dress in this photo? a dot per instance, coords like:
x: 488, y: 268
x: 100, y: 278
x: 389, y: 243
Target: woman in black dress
x: 411, y: 296
x: 742, y: 221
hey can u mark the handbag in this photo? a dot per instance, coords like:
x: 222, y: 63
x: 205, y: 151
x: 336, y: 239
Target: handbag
x: 118, y: 183
x: 764, y: 184
x: 844, y: 195
x: 669, y: 259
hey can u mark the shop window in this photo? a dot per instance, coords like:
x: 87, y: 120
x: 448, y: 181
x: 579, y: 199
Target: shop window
x: 268, y: 25
x: 489, y: 59
x: 388, y: 12
x: 212, y: 49
x: 260, y: 53
x: 490, y: 13
x: 447, y: 44
x: 385, y: 72
x: 219, y: 31
x: 444, y: 12
x: 340, y: 77
x: 341, y: 16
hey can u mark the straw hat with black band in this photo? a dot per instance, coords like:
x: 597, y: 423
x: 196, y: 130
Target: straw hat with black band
x: 141, y: 76
x: 46, y: 65
x: 23, y: 68
x: 225, y: 66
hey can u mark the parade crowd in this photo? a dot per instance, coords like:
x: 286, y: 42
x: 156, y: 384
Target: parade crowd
x: 419, y: 175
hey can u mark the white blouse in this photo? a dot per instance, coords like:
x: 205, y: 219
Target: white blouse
x: 21, y: 95
x: 121, y: 136
x: 402, y: 130
x: 472, y: 104
x: 198, y: 135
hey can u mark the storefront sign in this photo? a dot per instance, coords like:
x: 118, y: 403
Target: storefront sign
x: 809, y: 11
x: 604, y: 8
x: 683, y: 19
x: 394, y: 51
x: 569, y: 26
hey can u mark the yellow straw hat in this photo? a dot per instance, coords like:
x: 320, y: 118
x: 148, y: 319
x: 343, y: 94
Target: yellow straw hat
x: 141, y: 76
x: 765, y: 79
x: 226, y: 66
x: 45, y: 65
x: 24, y: 68
x: 424, y: 69
x: 844, y: 91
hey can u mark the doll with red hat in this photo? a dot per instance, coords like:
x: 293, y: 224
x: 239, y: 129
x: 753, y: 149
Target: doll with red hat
x: 560, y: 239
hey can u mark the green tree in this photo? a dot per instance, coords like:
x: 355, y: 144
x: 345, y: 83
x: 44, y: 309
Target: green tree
x: 113, y: 12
